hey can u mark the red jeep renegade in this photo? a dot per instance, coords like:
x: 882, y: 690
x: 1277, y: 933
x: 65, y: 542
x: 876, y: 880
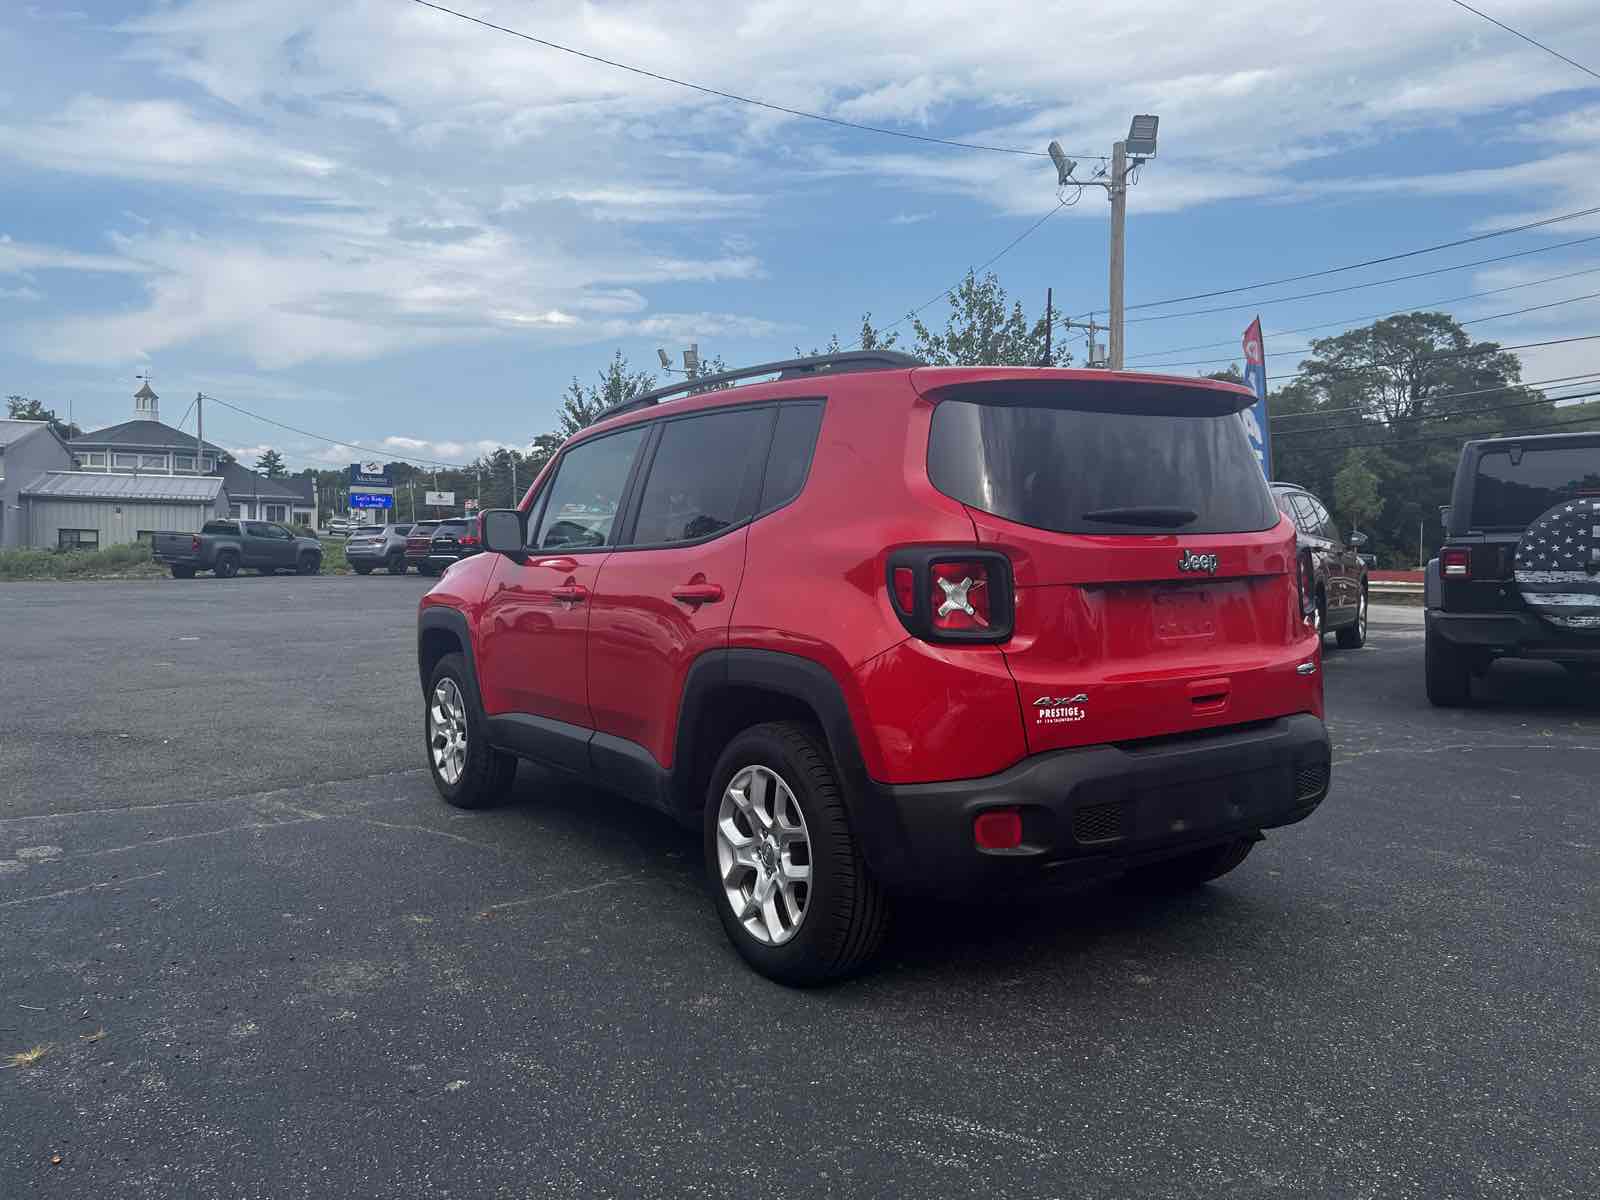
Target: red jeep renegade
x: 876, y: 627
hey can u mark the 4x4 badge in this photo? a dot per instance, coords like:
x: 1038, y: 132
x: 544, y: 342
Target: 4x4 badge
x: 1190, y: 561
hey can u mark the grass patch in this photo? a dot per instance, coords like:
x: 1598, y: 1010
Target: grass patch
x: 27, y: 1058
x: 333, y: 560
x: 114, y: 562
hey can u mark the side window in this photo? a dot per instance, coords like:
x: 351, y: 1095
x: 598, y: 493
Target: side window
x: 255, y: 529
x: 1281, y: 499
x: 1324, y: 521
x: 582, y: 509
x: 793, y: 443
x: 1304, y: 515
x: 703, y: 477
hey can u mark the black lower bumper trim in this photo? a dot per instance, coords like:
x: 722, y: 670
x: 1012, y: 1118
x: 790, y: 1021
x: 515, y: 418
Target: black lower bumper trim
x: 1512, y: 635
x: 1096, y: 811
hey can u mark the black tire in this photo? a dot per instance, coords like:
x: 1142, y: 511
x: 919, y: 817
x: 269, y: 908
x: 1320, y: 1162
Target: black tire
x: 425, y: 569
x: 487, y: 773
x: 361, y: 570
x: 182, y: 572
x: 227, y: 565
x: 1191, y: 870
x: 309, y: 563
x: 846, y: 914
x: 395, y: 564
x: 1354, y: 635
x: 1448, y: 670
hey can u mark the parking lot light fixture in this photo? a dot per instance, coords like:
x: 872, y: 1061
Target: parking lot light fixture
x: 1141, y: 139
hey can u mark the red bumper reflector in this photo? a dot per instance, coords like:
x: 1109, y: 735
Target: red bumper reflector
x: 997, y: 829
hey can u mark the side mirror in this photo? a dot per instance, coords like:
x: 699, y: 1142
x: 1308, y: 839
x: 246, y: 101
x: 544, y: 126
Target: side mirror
x: 1358, y: 538
x: 502, y: 531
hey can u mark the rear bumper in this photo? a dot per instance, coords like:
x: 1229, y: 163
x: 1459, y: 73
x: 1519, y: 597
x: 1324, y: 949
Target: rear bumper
x: 375, y: 554
x: 1512, y: 635
x: 1093, y: 813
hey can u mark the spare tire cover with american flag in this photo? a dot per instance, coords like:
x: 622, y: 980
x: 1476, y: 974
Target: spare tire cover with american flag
x: 1558, y: 565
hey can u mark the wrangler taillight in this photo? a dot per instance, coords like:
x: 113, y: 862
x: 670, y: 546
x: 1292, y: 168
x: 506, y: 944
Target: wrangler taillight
x: 1455, y: 562
x: 952, y: 595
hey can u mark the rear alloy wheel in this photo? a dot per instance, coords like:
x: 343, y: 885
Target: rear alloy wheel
x: 1191, y: 870
x: 227, y: 566
x: 310, y: 564
x: 466, y: 770
x: 789, y: 882
x: 1448, y: 672
x: 395, y: 564
x: 1353, y: 637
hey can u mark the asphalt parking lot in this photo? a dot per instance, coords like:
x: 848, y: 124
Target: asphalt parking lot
x: 267, y: 961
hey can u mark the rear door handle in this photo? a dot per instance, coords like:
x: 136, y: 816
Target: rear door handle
x: 697, y: 593
x: 571, y: 593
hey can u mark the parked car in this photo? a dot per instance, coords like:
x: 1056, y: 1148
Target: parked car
x: 419, y: 543
x: 339, y: 527
x: 876, y: 628
x: 1369, y: 561
x: 378, y: 546
x: 1519, y: 573
x: 1339, y: 574
x: 224, y: 547
x: 453, y: 539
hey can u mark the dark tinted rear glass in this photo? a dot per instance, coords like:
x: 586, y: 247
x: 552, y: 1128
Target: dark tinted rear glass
x: 790, y: 459
x: 220, y: 527
x: 1045, y: 463
x: 1510, y: 495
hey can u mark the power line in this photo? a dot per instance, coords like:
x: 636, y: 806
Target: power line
x: 1516, y: 312
x: 1272, y: 333
x: 1555, y: 380
x: 1457, y: 436
x: 1518, y: 33
x: 388, y: 455
x: 1488, y: 349
x: 722, y: 95
x: 1358, y: 287
x: 984, y: 266
x: 1444, y: 416
x: 1371, y: 262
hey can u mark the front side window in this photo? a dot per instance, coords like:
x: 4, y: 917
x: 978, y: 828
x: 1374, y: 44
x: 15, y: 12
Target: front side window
x: 256, y: 529
x: 702, y: 479
x: 581, y: 513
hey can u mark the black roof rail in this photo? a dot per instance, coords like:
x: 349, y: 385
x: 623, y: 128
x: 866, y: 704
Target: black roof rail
x: 789, y: 368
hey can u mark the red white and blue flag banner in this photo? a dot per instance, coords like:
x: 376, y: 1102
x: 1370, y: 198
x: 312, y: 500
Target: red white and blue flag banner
x: 1255, y: 417
x: 1558, y: 565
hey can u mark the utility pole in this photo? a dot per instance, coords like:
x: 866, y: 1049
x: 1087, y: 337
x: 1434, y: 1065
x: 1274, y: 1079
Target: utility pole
x: 1118, y: 190
x: 199, y: 431
x: 1049, y: 322
x: 1095, y: 355
x: 513, y: 503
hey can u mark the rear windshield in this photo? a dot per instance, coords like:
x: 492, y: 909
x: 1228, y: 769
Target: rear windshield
x: 452, y: 527
x: 1515, y: 489
x: 1047, y: 462
x: 220, y: 527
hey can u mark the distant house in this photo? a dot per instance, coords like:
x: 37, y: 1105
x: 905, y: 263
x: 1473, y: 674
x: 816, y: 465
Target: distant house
x: 27, y: 448
x: 154, y: 452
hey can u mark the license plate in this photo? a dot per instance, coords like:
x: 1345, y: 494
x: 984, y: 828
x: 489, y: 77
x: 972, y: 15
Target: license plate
x: 1183, y: 613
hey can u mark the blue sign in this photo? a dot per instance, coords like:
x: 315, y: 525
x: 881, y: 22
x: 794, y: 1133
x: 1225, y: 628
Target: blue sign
x: 370, y: 500
x: 371, y: 474
x: 1255, y: 417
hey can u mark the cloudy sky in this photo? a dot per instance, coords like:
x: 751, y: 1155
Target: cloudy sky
x: 380, y: 222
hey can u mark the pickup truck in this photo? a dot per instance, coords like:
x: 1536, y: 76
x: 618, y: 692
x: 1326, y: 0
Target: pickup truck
x: 223, y: 547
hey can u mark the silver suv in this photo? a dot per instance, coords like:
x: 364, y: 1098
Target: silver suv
x: 384, y: 547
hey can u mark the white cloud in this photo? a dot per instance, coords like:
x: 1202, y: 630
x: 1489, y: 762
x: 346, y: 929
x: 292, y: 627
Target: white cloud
x: 16, y: 257
x: 25, y: 294
x: 914, y: 218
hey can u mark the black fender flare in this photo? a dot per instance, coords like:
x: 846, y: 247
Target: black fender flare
x: 453, y: 622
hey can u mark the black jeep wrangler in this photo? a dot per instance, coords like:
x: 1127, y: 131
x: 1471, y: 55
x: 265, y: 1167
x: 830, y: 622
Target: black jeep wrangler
x: 1519, y: 573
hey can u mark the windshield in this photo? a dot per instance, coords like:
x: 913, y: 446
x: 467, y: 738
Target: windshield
x: 1055, y: 465
x: 1517, y: 485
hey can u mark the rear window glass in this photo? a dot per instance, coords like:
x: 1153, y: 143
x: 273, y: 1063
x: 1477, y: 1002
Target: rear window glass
x: 1511, y: 494
x: 1042, y: 460
x: 220, y: 527
x: 701, y: 481
x: 790, y: 458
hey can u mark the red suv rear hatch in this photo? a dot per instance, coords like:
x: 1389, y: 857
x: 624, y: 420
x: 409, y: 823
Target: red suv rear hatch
x: 1155, y: 585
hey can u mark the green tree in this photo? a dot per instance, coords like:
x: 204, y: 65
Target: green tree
x: 871, y: 338
x: 271, y: 465
x: 21, y: 408
x: 581, y: 405
x: 1355, y: 490
x: 986, y: 328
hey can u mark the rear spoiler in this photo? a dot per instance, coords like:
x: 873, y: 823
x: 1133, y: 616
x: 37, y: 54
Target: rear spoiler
x: 1098, y: 391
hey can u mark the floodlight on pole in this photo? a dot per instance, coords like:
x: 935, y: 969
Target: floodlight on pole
x: 1141, y: 139
x: 1064, y: 165
x: 691, y: 360
x: 666, y: 359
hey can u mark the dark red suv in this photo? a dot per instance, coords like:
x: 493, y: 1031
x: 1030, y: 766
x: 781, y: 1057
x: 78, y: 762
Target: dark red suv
x: 875, y: 627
